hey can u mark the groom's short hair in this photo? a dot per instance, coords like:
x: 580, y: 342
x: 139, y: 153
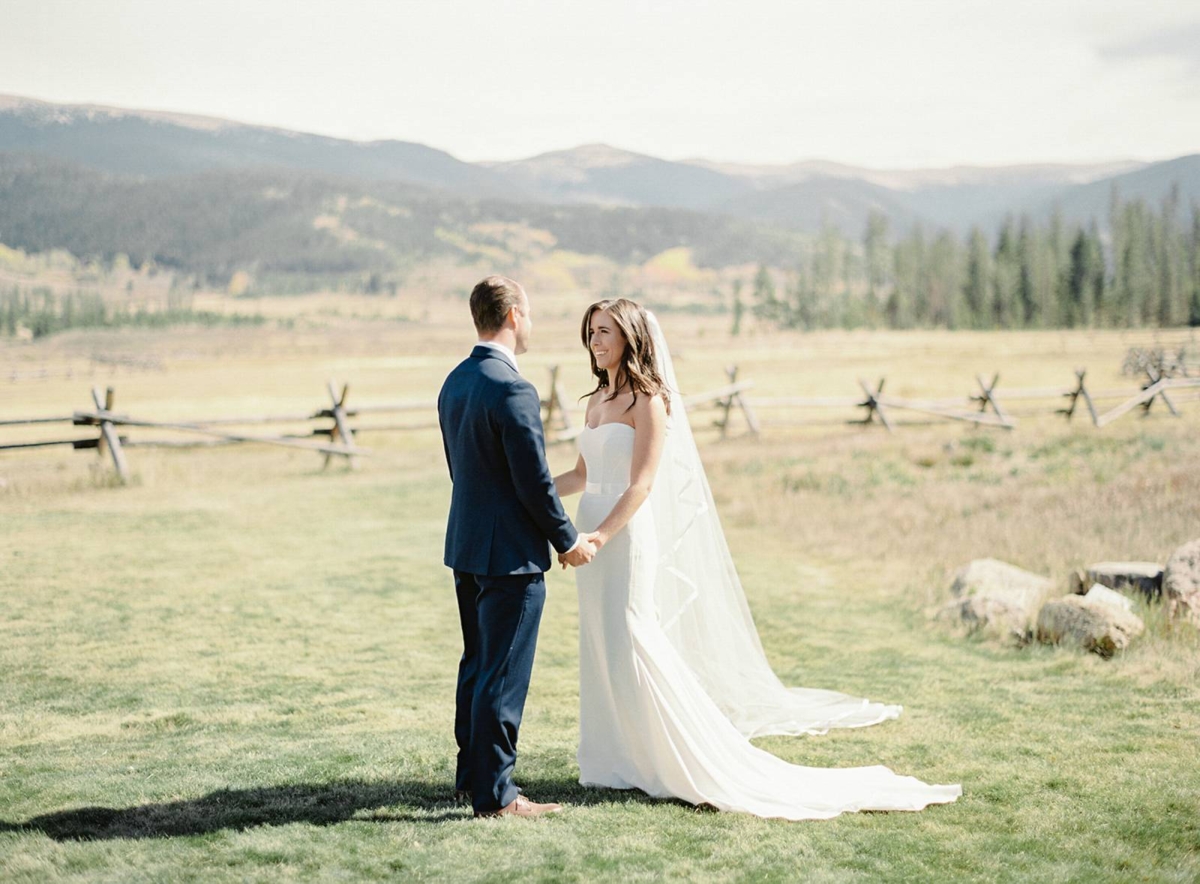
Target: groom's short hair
x: 491, y: 299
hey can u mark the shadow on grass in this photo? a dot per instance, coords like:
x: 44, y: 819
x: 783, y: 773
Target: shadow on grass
x: 317, y: 804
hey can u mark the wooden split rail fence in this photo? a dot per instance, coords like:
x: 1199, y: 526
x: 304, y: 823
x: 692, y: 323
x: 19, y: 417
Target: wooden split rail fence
x: 982, y: 408
x: 109, y: 440
x: 336, y: 436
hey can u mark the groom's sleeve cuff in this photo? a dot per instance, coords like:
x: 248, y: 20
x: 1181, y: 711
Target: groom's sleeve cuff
x: 578, y: 538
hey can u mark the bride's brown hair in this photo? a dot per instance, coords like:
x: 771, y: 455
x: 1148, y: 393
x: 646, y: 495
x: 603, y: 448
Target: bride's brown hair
x: 638, y: 364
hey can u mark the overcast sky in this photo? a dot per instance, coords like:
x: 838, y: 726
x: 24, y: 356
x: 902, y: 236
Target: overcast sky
x: 894, y: 83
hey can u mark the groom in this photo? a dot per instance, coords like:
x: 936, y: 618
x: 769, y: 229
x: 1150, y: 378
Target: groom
x: 504, y: 517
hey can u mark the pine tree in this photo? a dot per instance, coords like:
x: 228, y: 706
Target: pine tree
x: 944, y: 281
x: 1085, y: 280
x: 828, y: 263
x: 803, y: 301
x: 906, y: 302
x: 1172, y: 266
x: 978, y: 285
x: 739, y: 309
x: 1027, y: 299
x: 878, y: 259
x: 1054, y: 300
x: 852, y: 301
x: 1006, y: 308
x: 8, y: 312
x: 766, y: 305
x: 1137, y: 280
x: 1194, y: 266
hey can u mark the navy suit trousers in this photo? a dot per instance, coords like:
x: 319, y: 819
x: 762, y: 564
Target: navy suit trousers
x: 500, y: 618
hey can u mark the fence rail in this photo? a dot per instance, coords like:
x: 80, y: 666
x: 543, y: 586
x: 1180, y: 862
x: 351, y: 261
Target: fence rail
x: 335, y: 435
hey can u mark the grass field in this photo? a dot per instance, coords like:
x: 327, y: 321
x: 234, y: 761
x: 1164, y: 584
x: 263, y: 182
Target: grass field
x: 241, y: 667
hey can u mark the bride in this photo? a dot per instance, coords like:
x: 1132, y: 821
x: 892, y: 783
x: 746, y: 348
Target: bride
x: 673, y: 681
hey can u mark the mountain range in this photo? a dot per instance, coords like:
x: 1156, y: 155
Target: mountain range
x: 799, y: 196
x: 210, y: 197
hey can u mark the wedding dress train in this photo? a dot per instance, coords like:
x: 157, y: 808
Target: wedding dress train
x: 672, y: 684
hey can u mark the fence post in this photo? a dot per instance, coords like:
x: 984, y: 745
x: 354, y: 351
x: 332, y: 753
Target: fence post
x: 988, y: 397
x: 873, y: 405
x: 1155, y: 376
x: 341, y: 427
x: 1074, y: 395
x: 726, y: 405
x: 108, y: 435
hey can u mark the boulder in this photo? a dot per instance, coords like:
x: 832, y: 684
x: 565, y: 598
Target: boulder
x: 1091, y: 624
x: 996, y: 597
x: 1181, y: 582
x: 1105, y: 596
x: 1141, y: 577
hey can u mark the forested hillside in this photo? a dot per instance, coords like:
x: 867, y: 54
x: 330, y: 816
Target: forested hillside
x: 213, y: 224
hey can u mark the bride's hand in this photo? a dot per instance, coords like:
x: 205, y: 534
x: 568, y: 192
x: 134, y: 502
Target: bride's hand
x: 582, y: 553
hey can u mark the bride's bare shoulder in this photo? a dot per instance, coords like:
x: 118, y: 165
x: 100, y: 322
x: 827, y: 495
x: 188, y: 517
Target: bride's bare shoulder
x: 649, y: 411
x: 592, y: 400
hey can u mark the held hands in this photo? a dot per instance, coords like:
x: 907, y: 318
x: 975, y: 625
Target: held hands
x: 584, y: 551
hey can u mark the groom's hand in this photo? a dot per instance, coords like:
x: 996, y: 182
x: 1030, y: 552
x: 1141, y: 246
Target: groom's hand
x: 583, y: 553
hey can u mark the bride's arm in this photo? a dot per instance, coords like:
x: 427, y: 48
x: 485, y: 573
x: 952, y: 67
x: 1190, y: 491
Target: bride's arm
x: 573, y: 480
x: 649, y: 429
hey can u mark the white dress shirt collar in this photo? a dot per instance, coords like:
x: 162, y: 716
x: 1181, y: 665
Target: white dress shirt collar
x: 502, y: 350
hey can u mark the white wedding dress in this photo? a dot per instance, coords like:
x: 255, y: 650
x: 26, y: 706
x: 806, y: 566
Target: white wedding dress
x: 673, y: 681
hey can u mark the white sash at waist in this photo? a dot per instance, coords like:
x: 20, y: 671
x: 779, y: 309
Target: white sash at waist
x: 611, y: 489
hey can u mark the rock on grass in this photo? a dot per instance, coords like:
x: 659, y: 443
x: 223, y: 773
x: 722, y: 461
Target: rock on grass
x: 996, y: 597
x: 1181, y: 582
x: 1088, y: 623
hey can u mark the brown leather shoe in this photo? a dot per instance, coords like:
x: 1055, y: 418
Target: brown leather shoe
x: 522, y: 806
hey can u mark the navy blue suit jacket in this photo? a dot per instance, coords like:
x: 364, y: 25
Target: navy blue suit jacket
x: 503, y: 508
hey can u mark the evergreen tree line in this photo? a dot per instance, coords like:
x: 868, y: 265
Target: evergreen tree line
x: 43, y: 313
x: 1144, y: 270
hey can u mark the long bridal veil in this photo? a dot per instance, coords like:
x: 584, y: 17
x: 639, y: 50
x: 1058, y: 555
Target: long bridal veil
x: 702, y: 606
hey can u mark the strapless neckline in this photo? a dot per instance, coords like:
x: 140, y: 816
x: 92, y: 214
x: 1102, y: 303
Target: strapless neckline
x: 588, y: 426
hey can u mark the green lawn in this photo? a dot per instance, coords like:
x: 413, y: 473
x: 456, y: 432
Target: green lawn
x: 242, y: 668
